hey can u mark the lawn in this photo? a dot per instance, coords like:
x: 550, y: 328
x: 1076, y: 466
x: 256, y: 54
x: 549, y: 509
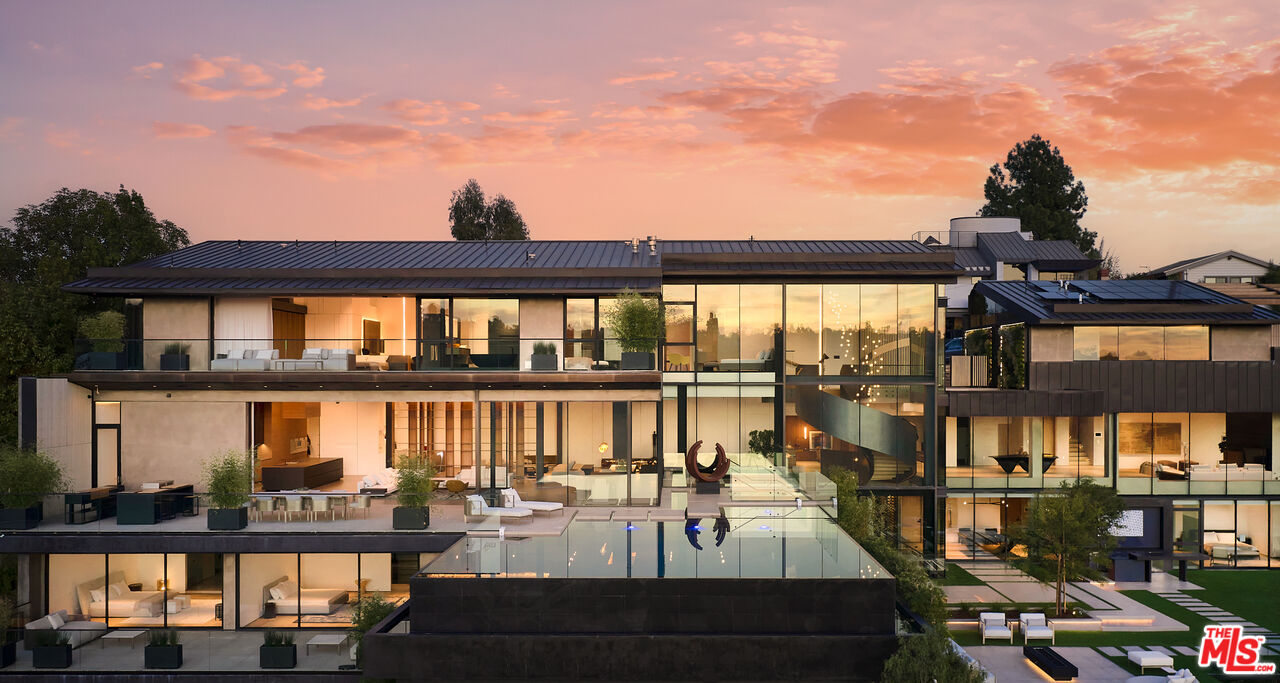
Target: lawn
x: 957, y: 576
x: 1252, y: 594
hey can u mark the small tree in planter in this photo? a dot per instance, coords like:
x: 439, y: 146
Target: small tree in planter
x: 103, y: 332
x: 366, y: 614
x: 52, y: 650
x: 229, y: 478
x: 277, y: 651
x: 414, y: 471
x: 544, y: 357
x: 163, y: 651
x: 637, y: 322
x: 26, y: 477
x: 761, y: 443
x: 175, y: 357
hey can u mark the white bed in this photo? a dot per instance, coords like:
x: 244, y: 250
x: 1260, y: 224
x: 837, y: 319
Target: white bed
x: 112, y: 598
x: 287, y: 597
x: 1222, y: 545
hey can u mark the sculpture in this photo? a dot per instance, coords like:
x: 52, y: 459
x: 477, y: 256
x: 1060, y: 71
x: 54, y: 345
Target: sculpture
x: 708, y: 475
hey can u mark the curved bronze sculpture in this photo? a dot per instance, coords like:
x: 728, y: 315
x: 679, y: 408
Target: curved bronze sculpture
x: 711, y: 474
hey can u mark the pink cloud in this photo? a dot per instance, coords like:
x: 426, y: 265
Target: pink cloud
x: 225, y: 78
x: 304, y: 76
x: 145, y: 70
x: 317, y: 103
x: 332, y: 150
x: 419, y: 113
x: 170, y: 130
x: 638, y: 78
x: 531, y: 115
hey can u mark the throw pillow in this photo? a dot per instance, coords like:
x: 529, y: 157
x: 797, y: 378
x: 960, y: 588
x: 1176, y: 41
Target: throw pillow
x: 97, y: 595
x: 276, y: 593
x: 56, y: 620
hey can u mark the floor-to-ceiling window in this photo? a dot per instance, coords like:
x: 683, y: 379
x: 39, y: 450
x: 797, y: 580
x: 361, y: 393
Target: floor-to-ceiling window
x: 130, y: 590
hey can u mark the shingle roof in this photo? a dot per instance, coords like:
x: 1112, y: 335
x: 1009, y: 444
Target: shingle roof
x: 1184, y: 264
x: 1120, y: 301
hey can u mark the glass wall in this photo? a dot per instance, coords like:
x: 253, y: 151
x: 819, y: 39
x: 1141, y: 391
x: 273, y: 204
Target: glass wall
x: 180, y: 590
x: 1023, y: 452
x: 318, y: 590
x: 736, y: 327
x: 1183, y: 342
x: 977, y: 525
x: 860, y: 329
x: 1198, y: 453
x: 877, y: 431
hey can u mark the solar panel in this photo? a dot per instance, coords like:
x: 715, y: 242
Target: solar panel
x: 1141, y: 290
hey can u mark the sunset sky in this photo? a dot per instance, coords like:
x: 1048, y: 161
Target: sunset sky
x: 345, y: 120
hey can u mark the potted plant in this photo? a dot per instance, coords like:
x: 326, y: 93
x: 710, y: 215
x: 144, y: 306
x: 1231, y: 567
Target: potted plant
x: 26, y: 477
x: 175, y: 357
x: 637, y: 323
x: 367, y: 613
x: 103, y: 333
x: 229, y: 478
x: 761, y: 443
x: 8, y: 645
x: 544, y: 357
x: 414, y: 472
x: 52, y: 650
x: 277, y: 651
x: 163, y: 651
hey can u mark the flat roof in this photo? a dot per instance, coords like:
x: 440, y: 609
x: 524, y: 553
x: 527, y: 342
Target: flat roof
x: 1139, y: 302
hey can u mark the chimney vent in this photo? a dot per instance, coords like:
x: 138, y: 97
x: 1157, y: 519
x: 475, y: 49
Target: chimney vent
x: 653, y: 245
x: 635, y: 245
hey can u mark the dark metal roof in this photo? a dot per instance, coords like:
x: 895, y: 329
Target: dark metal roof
x: 245, y: 266
x: 362, y: 285
x: 972, y: 261
x: 1120, y: 301
x: 1011, y: 247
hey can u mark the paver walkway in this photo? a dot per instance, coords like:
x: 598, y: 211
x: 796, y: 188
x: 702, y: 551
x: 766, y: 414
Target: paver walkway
x: 1220, y: 616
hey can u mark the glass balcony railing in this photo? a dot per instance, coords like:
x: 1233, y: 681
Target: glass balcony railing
x: 509, y: 354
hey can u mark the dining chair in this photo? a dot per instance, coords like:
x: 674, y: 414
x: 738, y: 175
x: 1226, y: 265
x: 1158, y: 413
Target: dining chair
x: 261, y: 506
x: 363, y: 501
x: 339, y: 504
x: 293, y: 504
x: 320, y: 504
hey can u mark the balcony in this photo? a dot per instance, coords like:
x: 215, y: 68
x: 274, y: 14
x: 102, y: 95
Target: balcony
x: 313, y: 355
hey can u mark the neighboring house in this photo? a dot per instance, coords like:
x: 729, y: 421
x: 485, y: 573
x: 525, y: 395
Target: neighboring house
x: 1165, y: 390
x: 329, y: 359
x: 998, y: 249
x: 1224, y: 267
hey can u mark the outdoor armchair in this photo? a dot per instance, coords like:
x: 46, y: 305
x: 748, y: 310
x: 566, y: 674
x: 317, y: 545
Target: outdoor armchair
x: 992, y: 625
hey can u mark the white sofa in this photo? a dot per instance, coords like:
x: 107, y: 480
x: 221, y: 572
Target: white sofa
x: 245, y: 359
x: 511, y: 498
x: 382, y: 482
x: 1250, y: 472
x: 78, y: 631
x: 474, y: 506
x: 320, y: 359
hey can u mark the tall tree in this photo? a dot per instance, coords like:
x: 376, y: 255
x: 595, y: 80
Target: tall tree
x: 1036, y: 185
x: 472, y: 218
x: 468, y: 212
x: 505, y: 221
x: 50, y: 245
x: 1067, y: 531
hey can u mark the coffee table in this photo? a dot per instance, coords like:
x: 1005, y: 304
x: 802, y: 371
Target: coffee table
x: 177, y: 604
x: 327, y: 639
x: 129, y: 635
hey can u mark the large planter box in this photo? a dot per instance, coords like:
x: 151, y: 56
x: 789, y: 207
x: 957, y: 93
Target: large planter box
x: 175, y: 361
x: 21, y: 518
x: 228, y: 520
x: 51, y: 656
x: 544, y: 361
x: 8, y: 651
x: 162, y: 656
x: 277, y: 656
x: 637, y: 360
x: 410, y: 518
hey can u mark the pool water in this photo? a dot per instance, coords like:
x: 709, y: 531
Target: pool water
x: 782, y: 542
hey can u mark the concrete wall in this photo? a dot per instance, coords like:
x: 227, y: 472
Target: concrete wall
x: 541, y: 319
x: 256, y: 571
x: 170, y: 440
x: 64, y: 428
x: 1052, y: 344
x: 184, y: 320
x: 1240, y: 343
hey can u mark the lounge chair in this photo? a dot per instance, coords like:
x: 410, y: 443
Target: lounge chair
x: 1034, y: 625
x: 992, y: 625
x: 474, y: 506
x: 511, y: 498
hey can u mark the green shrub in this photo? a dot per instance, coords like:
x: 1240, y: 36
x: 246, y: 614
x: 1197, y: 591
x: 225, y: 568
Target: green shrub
x: 636, y: 321
x: 103, y: 330
x: 47, y: 637
x: 414, y: 471
x: 229, y: 479
x: 162, y: 637
x: 366, y: 614
x: 929, y: 657
x: 277, y: 638
x: 27, y: 476
x: 176, y: 348
x: 544, y: 349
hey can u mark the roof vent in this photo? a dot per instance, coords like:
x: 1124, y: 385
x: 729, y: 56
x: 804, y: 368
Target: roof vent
x: 529, y: 256
x: 653, y: 245
x: 635, y: 245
